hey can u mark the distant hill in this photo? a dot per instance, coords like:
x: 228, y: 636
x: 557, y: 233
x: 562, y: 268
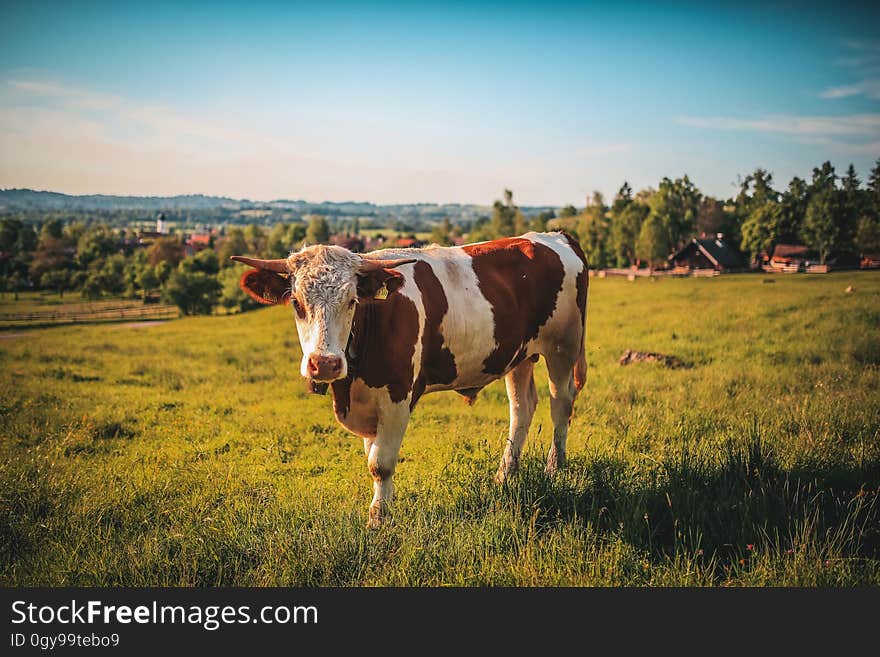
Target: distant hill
x: 17, y: 200
x: 28, y: 199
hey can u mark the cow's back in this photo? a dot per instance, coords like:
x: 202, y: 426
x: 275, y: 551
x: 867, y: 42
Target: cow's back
x: 485, y: 307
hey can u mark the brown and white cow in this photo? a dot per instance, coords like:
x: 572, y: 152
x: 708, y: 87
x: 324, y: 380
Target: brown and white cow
x: 386, y: 327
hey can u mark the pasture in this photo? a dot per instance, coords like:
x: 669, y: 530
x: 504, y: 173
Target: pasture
x: 189, y: 453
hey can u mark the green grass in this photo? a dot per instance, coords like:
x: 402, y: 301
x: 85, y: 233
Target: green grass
x: 188, y: 453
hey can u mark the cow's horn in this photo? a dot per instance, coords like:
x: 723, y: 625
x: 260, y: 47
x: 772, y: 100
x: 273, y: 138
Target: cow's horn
x: 279, y: 265
x: 368, y: 264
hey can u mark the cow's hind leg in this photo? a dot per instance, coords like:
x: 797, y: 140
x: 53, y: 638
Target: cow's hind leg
x: 562, y: 395
x: 382, y: 454
x: 523, y: 399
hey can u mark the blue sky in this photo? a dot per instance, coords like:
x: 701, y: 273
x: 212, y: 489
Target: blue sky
x: 402, y: 102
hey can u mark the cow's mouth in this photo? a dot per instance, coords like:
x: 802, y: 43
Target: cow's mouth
x: 317, y: 387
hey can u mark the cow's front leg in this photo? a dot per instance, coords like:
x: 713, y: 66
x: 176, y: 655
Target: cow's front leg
x: 382, y: 455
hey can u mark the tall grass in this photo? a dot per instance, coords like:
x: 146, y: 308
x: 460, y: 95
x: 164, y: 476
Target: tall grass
x: 190, y: 454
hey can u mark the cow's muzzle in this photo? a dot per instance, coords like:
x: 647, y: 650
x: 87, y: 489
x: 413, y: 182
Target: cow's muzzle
x: 324, y: 368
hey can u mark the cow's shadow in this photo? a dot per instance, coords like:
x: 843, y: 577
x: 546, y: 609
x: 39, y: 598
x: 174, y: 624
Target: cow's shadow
x: 720, y: 506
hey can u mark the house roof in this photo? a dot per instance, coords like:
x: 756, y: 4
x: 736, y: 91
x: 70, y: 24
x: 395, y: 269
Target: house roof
x: 715, y: 250
x: 199, y: 239
x: 789, y: 251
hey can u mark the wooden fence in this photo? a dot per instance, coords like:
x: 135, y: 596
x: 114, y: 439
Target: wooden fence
x: 62, y: 316
x: 632, y: 274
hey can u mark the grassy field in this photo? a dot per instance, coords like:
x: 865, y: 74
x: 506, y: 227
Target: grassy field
x: 188, y: 453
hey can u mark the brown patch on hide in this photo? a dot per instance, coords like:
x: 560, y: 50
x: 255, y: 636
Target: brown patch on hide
x: 383, y: 342
x: 521, y: 281
x: 438, y: 363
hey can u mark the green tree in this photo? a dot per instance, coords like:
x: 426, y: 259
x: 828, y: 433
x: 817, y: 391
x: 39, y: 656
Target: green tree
x: 165, y: 249
x: 105, y: 277
x: 232, y: 297
x: 507, y: 220
x: 826, y: 226
x: 854, y: 203
x: 163, y: 272
x: 17, y: 243
x: 592, y: 230
x: 194, y: 292
x: 9, y: 229
x: 282, y: 239
x: 441, y: 233
x: 710, y: 217
x: 567, y: 211
x: 539, y: 221
x: 755, y: 190
x: 147, y: 279
x: 674, y: 206
x: 57, y: 280
x: 233, y: 244
x: 761, y: 230
x: 793, y: 209
x: 626, y: 225
x: 256, y: 239
x: 318, y: 231
x: 867, y: 240
x: 821, y: 230
x: 52, y: 254
x: 74, y: 231
x: 205, y: 261
x: 652, y: 245
x: 873, y: 201
x: 53, y: 227
x: 97, y: 242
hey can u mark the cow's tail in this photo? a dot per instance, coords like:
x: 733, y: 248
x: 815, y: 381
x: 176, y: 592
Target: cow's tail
x: 580, y: 367
x: 583, y: 282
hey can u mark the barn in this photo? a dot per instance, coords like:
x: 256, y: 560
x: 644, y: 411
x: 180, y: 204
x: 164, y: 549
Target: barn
x: 707, y: 253
x: 789, y: 258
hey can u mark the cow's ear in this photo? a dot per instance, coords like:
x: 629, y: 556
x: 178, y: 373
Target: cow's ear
x: 266, y: 286
x: 369, y: 283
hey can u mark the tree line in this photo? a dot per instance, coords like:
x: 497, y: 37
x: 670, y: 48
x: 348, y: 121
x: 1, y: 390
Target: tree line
x: 829, y: 214
x: 96, y: 260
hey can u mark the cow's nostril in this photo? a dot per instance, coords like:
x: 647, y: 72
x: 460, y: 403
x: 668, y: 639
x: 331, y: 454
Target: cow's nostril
x: 324, y: 367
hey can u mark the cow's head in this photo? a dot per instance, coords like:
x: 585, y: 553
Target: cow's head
x: 324, y: 284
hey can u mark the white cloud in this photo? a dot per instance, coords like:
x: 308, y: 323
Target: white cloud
x: 868, y: 88
x: 850, y: 135
x: 852, y: 125
x: 863, y: 62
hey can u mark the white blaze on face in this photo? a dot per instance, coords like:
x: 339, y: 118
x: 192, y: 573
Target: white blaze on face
x: 324, y: 300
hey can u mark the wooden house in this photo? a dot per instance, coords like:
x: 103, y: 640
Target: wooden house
x: 707, y: 253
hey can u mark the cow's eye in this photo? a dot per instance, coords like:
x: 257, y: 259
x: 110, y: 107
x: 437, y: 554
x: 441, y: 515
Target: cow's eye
x: 297, y: 306
x: 352, y: 303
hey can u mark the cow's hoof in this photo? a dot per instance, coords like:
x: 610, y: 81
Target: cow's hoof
x: 377, y: 518
x: 554, y: 466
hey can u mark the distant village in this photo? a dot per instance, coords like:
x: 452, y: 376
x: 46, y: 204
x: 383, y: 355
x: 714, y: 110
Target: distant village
x: 702, y: 256
x: 178, y: 249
